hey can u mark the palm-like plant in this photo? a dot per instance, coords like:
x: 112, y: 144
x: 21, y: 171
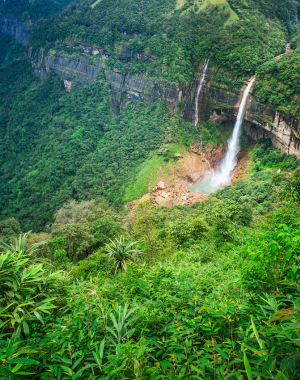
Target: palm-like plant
x: 121, y: 251
x: 20, y: 245
x: 121, y: 322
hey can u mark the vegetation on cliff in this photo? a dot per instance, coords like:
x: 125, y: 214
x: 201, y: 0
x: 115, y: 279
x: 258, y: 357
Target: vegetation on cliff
x: 278, y: 81
x: 174, y: 35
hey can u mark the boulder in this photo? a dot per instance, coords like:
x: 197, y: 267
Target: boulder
x: 161, y: 185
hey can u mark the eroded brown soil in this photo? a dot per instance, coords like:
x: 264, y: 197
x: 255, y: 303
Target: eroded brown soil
x: 173, y: 188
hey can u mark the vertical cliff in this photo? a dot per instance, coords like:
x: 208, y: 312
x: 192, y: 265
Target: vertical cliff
x: 18, y: 30
x: 125, y: 86
x: 221, y: 96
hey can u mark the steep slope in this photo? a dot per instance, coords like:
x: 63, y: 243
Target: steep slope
x: 131, y: 69
x: 174, y: 37
x: 58, y: 145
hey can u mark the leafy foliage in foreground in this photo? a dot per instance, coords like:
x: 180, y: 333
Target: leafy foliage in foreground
x: 182, y: 317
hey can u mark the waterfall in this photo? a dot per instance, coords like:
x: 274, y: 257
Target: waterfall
x: 203, y: 73
x: 230, y: 160
x: 223, y: 176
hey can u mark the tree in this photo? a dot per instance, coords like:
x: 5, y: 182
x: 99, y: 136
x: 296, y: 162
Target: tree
x: 145, y: 221
x: 105, y: 229
x: 77, y: 239
x: 9, y: 228
x: 72, y: 212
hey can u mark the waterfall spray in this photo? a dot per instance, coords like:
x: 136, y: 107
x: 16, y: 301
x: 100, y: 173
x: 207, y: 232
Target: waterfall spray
x: 203, y: 73
x: 223, y: 176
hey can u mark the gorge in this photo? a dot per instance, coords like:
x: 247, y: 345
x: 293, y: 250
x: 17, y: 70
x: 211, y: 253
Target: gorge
x: 149, y: 189
x: 219, y: 104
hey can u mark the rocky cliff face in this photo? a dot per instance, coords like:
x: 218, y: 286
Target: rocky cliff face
x: 217, y: 102
x: 19, y: 30
x: 220, y: 104
x: 84, y: 68
x: 264, y: 121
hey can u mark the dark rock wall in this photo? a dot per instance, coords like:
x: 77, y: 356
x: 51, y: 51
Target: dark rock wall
x: 217, y: 102
x: 262, y: 120
x: 124, y: 86
x: 19, y: 30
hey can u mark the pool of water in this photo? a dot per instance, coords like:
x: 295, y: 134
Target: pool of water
x: 206, y: 187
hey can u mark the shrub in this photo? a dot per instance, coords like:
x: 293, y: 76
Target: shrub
x: 187, y: 230
x: 96, y: 265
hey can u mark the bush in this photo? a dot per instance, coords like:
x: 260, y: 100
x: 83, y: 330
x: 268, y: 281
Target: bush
x: 97, y: 265
x: 188, y: 230
x: 60, y: 256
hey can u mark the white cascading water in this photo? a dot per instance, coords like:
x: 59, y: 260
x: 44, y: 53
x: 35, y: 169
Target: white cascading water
x: 230, y: 160
x: 223, y: 176
x: 203, y: 73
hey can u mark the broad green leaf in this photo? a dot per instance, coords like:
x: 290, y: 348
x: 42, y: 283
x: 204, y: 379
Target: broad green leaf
x: 25, y: 328
x: 283, y: 377
x: 261, y: 345
x: 38, y: 315
x: 22, y: 361
x: 130, y: 333
x: 17, y: 367
x: 293, y: 326
x: 77, y: 362
x: 247, y: 366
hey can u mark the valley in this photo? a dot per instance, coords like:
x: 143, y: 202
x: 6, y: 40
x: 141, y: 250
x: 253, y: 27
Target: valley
x: 149, y: 189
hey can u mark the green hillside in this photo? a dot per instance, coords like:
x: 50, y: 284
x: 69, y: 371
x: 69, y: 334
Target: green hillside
x: 90, y: 289
x: 212, y: 290
x: 237, y: 35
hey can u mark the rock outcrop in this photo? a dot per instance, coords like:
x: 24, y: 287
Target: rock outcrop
x: 220, y: 104
x: 264, y: 121
x: 84, y: 68
x: 217, y: 102
x: 18, y: 30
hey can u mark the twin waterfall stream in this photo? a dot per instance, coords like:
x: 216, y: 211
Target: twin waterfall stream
x: 222, y: 177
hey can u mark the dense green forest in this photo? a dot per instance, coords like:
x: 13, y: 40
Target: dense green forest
x: 175, y: 36
x: 9, y: 50
x: 58, y: 145
x: 31, y: 10
x: 91, y: 290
